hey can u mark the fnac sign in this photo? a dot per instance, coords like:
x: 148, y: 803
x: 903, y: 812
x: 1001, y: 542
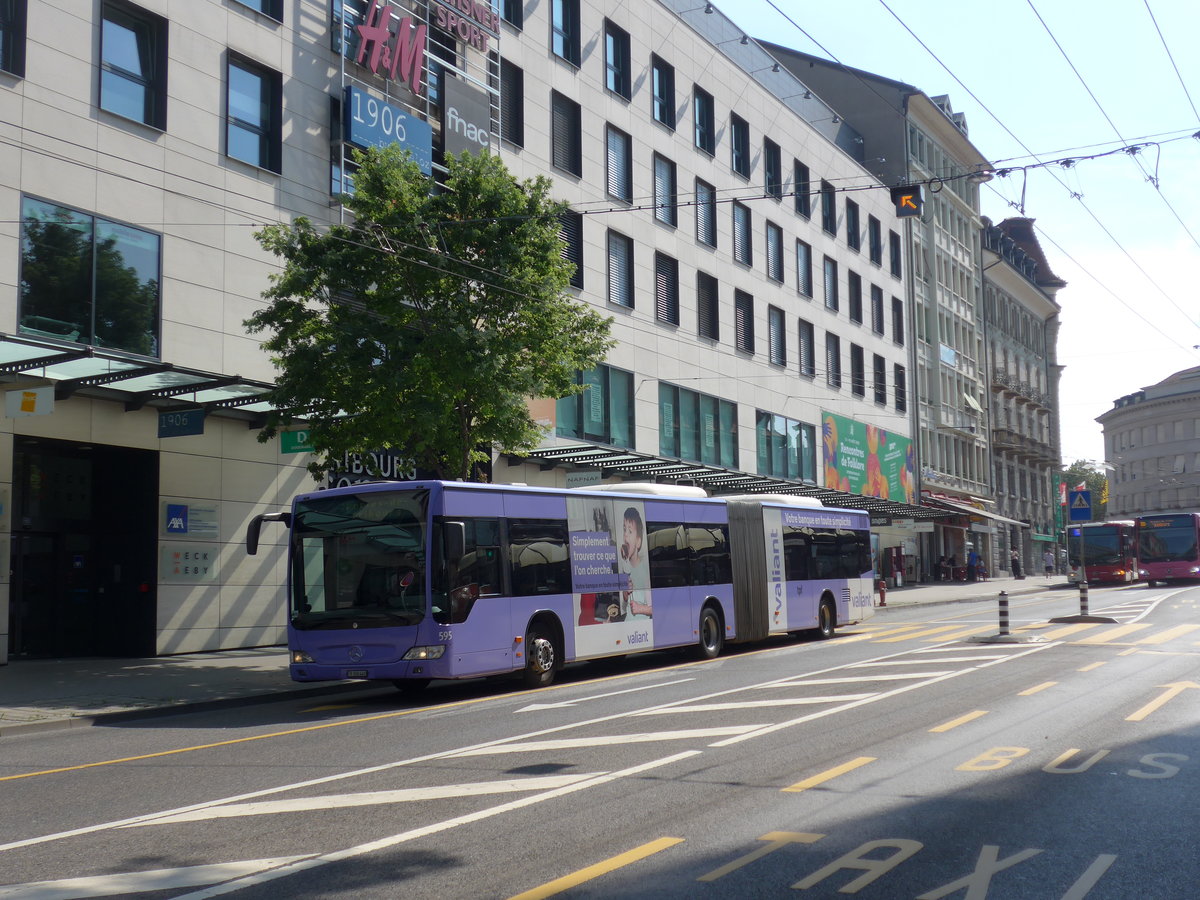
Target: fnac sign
x: 399, y: 53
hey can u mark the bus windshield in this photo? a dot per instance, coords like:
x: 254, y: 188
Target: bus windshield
x: 1175, y: 543
x: 358, y: 560
x: 1101, y: 548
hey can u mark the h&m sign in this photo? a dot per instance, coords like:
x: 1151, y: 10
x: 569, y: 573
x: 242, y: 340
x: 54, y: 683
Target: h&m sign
x: 400, y: 53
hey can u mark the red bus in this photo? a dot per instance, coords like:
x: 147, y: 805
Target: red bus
x: 1169, y: 547
x: 1109, y: 551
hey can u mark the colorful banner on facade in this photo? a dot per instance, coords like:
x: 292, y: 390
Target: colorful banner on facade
x: 867, y: 460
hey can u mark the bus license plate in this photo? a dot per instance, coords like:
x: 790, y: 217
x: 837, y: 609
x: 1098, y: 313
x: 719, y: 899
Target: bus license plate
x: 356, y: 673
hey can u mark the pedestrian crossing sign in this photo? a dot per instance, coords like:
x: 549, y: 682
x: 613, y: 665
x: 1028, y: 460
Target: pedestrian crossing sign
x: 1080, y: 504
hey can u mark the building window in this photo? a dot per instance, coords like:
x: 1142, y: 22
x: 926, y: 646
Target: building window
x: 804, y: 278
x: 894, y: 253
x: 512, y: 103
x: 666, y: 289
x: 858, y: 374
x: 743, y: 248
x: 801, y: 185
x: 270, y: 8
x: 774, y: 252
x: 898, y: 321
x: 853, y: 235
x: 743, y: 321
x: 442, y: 53
x: 566, y: 149
x: 828, y: 209
x: 706, y: 213
x: 900, y: 380
x: 786, y: 448
x: 620, y: 269
x: 696, y: 426
x: 833, y: 360
x: 603, y: 412
x: 12, y: 37
x: 773, y: 167
x: 665, y: 209
x: 808, y: 349
x: 877, y: 309
x: 880, y: 380
x: 564, y: 24
x: 133, y: 64
x: 616, y: 60
x: 571, y: 234
x: 513, y: 12
x: 739, y: 145
x: 831, y: 284
x: 254, y: 103
x: 875, y: 240
x: 854, y: 288
x: 619, y: 167
x: 704, y: 120
x: 88, y: 280
x: 776, y: 336
x: 662, y: 91
x: 707, y: 306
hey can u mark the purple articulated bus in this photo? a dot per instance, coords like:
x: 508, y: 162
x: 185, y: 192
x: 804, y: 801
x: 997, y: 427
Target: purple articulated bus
x: 413, y: 581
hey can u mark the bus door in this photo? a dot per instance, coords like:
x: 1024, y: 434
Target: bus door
x: 471, y: 606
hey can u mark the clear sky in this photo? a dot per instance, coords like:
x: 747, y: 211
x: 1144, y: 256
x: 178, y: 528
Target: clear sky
x: 1050, y: 80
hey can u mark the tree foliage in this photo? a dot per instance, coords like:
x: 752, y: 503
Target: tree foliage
x: 1084, y: 472
x: 427, y: 324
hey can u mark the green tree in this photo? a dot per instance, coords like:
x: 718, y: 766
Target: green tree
x: 427, y: 324
x: 1084, y: 472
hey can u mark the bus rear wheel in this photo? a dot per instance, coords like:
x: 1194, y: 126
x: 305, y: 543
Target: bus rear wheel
x: 712, y: 635
x: 826, y: 619
x: 541, y: 658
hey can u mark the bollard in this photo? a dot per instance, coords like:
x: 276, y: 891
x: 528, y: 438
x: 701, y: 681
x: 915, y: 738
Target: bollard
x: 882, y: 585
x: 1083, y: 598
x: 1004, y: 612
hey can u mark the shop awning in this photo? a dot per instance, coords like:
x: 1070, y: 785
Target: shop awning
x: 971, y: 510
x: 715, y: 479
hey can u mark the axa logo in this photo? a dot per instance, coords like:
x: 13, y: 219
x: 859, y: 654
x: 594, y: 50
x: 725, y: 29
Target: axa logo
x: 177, y: 518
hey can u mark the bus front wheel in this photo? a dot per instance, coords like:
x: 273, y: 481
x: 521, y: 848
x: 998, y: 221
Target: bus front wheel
x: 541, y: 657
x: 712, y: 635
x: 826, y: 619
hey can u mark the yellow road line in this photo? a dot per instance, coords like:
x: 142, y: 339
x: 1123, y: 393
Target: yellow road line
x: 829, y: 774
x: 1169, y: 635
x: 961, y: 720
x: 955, y: 635
x: 1037, y: 688
x: 1090, y: 666
x: 1111, y: 634
x: 558, y: 885
x: 871, y: 635
x: 775, y: 840
x: 1067, y: 631
x: 919, y: 634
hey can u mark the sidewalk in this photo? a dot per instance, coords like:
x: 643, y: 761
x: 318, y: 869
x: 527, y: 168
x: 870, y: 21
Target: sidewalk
x: 62, y: 693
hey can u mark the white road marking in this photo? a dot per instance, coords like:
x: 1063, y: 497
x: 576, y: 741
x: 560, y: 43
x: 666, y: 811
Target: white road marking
x: 922, y: 662
x: 856, y: 679
x: 384, y: 843
x: 373, y: 798
x: 753, y: 704
x: 140, y: 882
x: 565, y: 704
x: 607, y: 740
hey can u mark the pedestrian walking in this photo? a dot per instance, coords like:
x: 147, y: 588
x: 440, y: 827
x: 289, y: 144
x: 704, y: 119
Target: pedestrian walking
x: 1048, y: 562
x: 972, y: 563
x: 1015, y: 564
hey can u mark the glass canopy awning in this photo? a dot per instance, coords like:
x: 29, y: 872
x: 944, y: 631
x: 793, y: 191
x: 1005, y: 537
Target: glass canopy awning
x: 93, y: 372
x: 715, y: 479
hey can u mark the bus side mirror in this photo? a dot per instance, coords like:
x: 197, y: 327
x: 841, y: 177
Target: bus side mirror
x: 255, y: 526
x: 454, y: 534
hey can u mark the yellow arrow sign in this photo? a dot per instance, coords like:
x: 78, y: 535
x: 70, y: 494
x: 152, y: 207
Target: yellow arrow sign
x: 1172, y: 690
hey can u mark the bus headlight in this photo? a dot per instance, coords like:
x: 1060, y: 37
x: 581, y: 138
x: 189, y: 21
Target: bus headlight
x: 299, y: 656
x: 433, y: 651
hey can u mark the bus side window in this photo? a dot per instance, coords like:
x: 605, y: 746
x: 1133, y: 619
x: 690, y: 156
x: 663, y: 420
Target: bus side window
x: 538, y: 557
x: 796, y: 553
x: 668, y: 554
x: 711, y: 563
x: 480, y: 564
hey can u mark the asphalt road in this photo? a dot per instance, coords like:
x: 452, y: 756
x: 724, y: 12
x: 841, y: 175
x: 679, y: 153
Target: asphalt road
x: 905, y: 758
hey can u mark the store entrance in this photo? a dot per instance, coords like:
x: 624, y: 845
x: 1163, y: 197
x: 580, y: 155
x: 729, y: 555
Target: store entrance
x: 83, y: 550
